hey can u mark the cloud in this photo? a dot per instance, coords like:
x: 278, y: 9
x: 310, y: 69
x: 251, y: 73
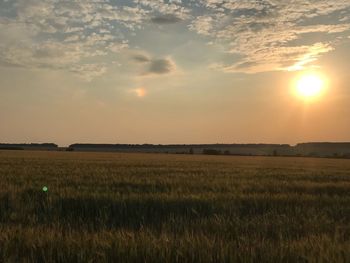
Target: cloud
x: 268, y: 35
x: 78, y: 36
x: 166, y: 19
x: 175, y: 7
x: 154, y: 66
x: 141, y: 58
x: 161, y: 66
x: 279, y: 58
x: 203, y: 25
x: 75, y: 36
x: 89, y: 71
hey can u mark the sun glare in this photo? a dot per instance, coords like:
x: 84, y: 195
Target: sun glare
x: 309, y: 86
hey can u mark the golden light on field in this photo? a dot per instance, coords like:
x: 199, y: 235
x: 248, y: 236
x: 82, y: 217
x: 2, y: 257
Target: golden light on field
x: 309, y: 86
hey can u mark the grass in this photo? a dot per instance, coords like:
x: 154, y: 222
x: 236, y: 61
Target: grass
x: 105, y: 207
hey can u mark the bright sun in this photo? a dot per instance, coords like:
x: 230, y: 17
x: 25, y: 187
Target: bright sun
x: 309, y: 86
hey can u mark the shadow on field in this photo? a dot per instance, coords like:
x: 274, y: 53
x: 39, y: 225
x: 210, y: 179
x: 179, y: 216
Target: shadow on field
x: 38, y: 208
x: 128, y: 187
x: 33, y: 207
x: 129, y: 213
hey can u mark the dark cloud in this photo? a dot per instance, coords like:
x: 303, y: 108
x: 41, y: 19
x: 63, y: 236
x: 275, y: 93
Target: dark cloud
x: 161, y: 66
x: 154, y: 66
x: 141, y: 58
x: 166, y: 19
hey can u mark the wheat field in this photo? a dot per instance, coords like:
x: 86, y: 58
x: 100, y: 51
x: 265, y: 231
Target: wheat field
x: 107, y: 207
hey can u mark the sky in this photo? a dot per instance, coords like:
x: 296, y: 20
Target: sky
x: 173, y: 71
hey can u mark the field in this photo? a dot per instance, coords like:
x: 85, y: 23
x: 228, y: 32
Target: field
x: 105, y: 207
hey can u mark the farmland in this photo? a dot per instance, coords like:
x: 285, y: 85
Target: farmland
x: 114, y: 207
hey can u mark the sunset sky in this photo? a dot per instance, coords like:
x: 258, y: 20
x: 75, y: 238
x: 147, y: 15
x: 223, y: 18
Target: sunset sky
x: 173, y: 71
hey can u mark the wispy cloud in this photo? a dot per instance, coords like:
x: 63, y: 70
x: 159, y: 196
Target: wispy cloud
x: 262, y: 32
x: 84, y: 37
x: 71, y: 36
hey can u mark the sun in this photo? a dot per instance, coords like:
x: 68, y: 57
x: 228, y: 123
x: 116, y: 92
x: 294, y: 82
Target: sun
x: 309, y: 86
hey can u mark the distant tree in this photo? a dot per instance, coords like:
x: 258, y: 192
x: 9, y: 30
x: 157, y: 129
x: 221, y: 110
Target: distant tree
x: 227, y: 152
x: 211, y: 152
x: 275, y: 153
x: 191, y: 151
